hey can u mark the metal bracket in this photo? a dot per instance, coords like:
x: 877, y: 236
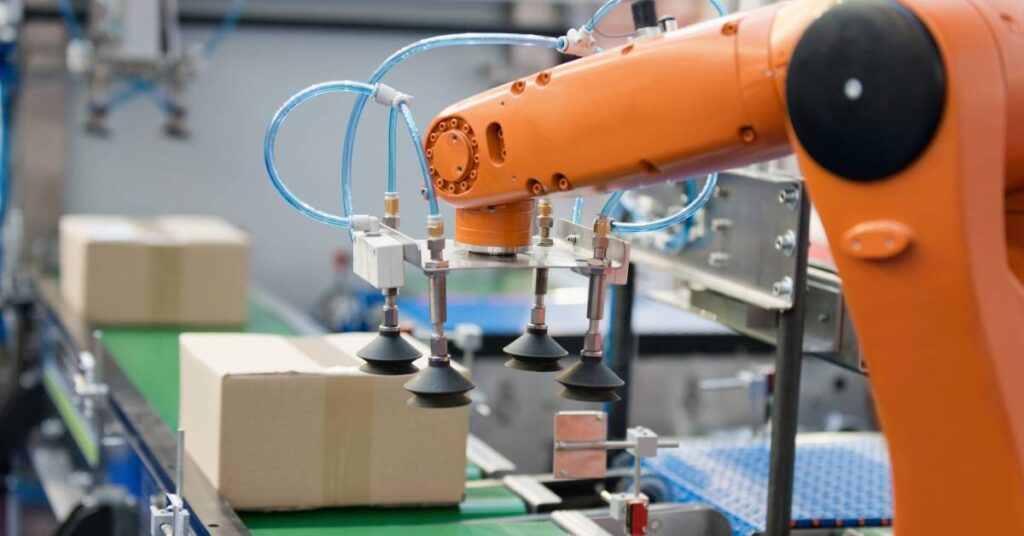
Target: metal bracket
x: 754, y: 215
x: 570, y: 251
x: 173, y: 518
x: 581, y: 451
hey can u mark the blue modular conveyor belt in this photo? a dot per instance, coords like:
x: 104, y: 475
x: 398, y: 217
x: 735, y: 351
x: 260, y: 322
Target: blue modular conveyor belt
x: 842, y: 479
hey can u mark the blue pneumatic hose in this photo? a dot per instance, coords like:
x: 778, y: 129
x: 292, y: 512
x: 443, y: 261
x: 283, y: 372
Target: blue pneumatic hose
x: 414, y: 133
x: 392, y: 146
x: 601, y: 13
x: 400, y: 56
x: 683, y: 214
x: 227, y: 24
x: 270, y: 139
x: 577, y: 208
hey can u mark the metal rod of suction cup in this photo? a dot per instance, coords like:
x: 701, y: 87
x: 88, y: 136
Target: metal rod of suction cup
x: 545, y: 221
x: 390, y: 308
x: 538, y: 314
x: 590, y: 379
x: 437, y: 288
x: 438, y: 385
x: 389, y: 311
x: 593, y: 344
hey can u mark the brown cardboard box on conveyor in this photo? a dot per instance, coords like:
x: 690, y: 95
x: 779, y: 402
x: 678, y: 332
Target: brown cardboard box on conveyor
x: 167, y: 270
x: 280, y: 423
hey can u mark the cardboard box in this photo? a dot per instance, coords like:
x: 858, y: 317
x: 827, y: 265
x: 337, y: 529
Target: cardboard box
x: 171, y: 270
x: 279, y: 423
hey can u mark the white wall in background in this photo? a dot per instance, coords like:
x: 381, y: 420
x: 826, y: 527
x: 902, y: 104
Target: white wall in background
x: 219, y: 169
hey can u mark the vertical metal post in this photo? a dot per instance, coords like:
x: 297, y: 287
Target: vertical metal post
x: 786, y: 398
x: 623, y: 350
x: 25, y: 326
x: 179, y: 462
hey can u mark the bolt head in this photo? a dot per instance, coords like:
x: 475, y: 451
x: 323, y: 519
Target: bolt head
x: 783, y: 288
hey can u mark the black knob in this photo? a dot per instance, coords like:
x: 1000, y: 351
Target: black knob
x: 645, y: 15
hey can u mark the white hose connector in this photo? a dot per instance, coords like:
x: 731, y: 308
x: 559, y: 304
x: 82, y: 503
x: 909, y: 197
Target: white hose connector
x: 365, y: 223
x: 390, y: 97
x: 579, y: 42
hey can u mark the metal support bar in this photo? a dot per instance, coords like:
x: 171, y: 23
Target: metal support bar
x: 607, y: 445
x: 786, y: 403
x: 623, y: 349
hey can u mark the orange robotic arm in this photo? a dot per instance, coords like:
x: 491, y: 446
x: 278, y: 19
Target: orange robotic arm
x: 907, y: 118
x: 701, y: 99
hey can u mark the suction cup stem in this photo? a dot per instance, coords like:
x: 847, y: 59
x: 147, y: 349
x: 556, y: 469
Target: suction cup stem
x: 439, y: 386
x: 389, y: 354
x: 535, y: 351
x: 590, y: 380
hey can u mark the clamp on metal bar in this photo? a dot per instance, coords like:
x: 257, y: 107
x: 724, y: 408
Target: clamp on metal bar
x: 173, y: 518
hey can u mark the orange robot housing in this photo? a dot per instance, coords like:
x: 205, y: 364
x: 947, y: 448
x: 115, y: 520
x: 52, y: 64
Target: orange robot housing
x: 907, y: 118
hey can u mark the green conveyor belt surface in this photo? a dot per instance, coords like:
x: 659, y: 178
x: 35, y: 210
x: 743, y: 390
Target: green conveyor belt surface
x: 480, y: 502
x: 149, y: 358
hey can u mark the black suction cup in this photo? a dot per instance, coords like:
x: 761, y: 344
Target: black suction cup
x: 439, y: 386
x: 590, y: 380
x: 535, y: 351
x: 389, y: 354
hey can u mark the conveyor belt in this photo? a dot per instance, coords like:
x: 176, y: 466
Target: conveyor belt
x: 149, y: 358
x: 842, y: 480
x: 481, y: 502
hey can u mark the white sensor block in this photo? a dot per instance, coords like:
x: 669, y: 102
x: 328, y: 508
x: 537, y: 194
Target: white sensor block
x: 378, y: 259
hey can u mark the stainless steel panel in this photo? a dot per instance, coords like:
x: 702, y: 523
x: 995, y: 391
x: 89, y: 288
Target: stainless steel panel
x: 741, y: 251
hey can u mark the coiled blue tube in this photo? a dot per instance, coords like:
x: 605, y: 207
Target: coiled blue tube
x: 401, y: 55
x: 414, y: 133
x: 392, y: 157
x: 271, y: 137
x: 601, y: 13
x: 228, y: 23
x: 685, y: 213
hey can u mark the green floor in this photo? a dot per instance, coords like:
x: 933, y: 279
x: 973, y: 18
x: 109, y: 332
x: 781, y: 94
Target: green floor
x: 149, y: 358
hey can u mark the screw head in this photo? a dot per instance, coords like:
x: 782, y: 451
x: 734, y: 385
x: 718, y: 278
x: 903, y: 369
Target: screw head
x: 789, y: 197
x: 783, y: 287
x: 786, y: 243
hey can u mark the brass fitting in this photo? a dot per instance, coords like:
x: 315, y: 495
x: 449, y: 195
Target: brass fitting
x: 436, y: 241
x: 544, y: 223
x: 390, y: 204
x: 435, y: 229
x: 391, y: 217
x: 602, y: 228
x: 544, y: 207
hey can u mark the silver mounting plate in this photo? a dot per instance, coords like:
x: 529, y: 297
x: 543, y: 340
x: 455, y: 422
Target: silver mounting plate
x: 740, y: 253
x: 571, y: 251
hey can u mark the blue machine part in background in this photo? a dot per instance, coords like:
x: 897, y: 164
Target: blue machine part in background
x: 841, y: 480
